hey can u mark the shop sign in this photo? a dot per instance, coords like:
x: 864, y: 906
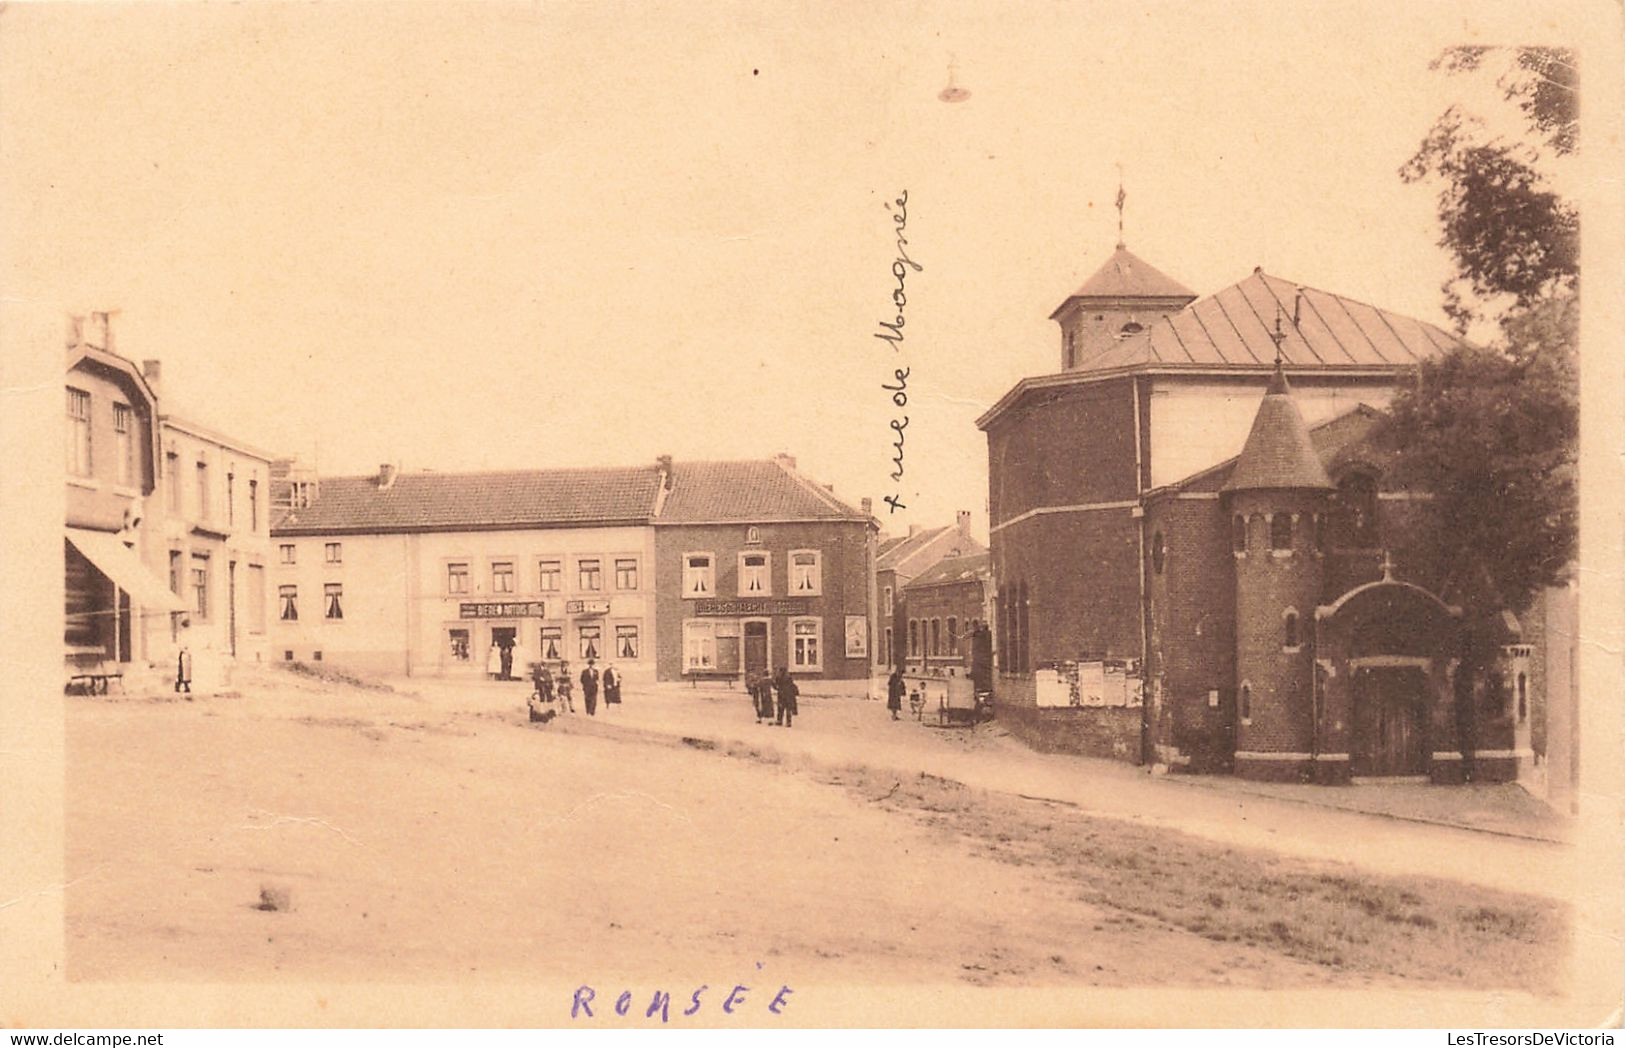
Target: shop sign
x: 506, y: 609
x: 752, y: 606
x: 586, y: 607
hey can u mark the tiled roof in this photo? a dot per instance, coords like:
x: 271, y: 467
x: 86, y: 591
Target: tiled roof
x: 887, y: 545
x: 1333, y: 439
x: 460, y: 501
x: 906, y: 547
x: 955, y: 569
x: 1233, y: 327
x: 753, y: 490
x: 1126, y: 276
x: 1278, y: 453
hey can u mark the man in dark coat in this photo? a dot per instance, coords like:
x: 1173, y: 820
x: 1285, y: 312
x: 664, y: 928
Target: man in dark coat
x: 589, y: 688
x: 612, y: 687
x: 787, y: 697
x: 894, y: 692
x: 761, y: 695
x: 183, y: 671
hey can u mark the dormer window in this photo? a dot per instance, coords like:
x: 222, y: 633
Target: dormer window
x: 1133, y: 327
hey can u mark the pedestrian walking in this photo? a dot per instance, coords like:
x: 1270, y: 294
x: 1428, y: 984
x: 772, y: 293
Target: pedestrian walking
x: 894, y: 692
x: 589, y: 689
x: 183, y: 670
x: 612, y: 686
x: 787, y: 692
x: 566, y: 700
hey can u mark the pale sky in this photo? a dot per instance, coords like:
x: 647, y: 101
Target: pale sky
x: 482, y: 236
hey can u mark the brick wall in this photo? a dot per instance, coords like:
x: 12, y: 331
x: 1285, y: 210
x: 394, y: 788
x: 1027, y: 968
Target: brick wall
x: 1089, y: 731
x: 1062, y: 447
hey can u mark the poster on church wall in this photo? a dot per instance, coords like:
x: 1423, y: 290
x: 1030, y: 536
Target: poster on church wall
x: 1054, y: 688
x: 857, y: 637
x: 1114, y: 685
x: 1092, y: 683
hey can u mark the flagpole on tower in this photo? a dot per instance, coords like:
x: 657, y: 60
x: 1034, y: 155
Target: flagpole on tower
x: 1121, y: 197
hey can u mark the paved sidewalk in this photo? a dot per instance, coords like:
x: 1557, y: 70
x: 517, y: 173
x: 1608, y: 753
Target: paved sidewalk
x: 856, y: 731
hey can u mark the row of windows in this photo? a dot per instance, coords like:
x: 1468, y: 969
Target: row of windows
x: 806, y: 645
x: 193, y: 577
x: 589, y: 576
x: 332, y: 553
x: 203, y: 507
x: 626, y: 638
x: 332, y: 602
x: 926, y: 637
x: 81, y: 460
x: 804, y: 579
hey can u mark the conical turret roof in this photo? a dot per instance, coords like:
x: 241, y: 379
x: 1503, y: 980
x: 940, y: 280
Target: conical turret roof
x: 1278, y: 452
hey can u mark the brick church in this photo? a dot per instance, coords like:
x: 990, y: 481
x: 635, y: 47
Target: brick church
x: 1195, y: 553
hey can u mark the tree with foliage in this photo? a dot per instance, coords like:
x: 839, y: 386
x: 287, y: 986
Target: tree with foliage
x: 1492, y: 431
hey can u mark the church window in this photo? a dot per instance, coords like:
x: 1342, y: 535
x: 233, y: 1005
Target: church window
x: 1238, y: 533
x: 1320, y: 532
x: 1281, y: 531
x: 1356, y: 501
x: 1523, y: 697
x: 1159, y: 552
x: 1289, y: 623
x: 1246, y: 702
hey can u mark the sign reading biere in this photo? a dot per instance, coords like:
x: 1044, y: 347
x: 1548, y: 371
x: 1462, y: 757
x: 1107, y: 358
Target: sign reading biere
x: 751, y: 606
x: 502, y: 609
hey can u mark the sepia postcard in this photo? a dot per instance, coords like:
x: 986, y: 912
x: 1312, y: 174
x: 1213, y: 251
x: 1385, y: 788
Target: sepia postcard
x: 771, y: 516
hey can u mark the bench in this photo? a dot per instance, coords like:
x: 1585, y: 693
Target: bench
x: 695, y: 676
x: 96, y: 682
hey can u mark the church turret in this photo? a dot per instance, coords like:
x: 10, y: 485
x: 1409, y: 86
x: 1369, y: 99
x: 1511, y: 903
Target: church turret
x: 1277, y: 496
x: 1122, y: 298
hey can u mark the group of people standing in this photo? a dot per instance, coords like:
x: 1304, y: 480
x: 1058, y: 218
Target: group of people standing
x: 764, y: 687
x: 557, y: 695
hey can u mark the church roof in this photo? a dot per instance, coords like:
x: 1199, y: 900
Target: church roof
x: 1233, y: 327
x: 1125, y: 275
x: 1278, y: 452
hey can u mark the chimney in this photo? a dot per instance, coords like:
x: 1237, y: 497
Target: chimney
x: 386, y: 476
x: 98, y: 333
x: 868, y: 506
x: 663, y: 464
x: 153, y: 371
x: 963, y: 520
x: 785, y: 460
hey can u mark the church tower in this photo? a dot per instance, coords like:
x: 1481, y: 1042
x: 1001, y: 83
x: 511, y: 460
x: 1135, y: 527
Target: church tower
x: 1277, y: 498
x: 1122, y: 298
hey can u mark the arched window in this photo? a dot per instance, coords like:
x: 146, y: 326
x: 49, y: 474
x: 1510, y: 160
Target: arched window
x: 1320, y: 532
x: 1159, y: 552
x: 1246, y: 702
x: 1133, y: 327
x: 1281, y: 531
x: 953, y: 635
x: 936, y: 637
x: 1356, y: 501
x: 913, y: 638
x: 1238, y: 534
x: 1289, y: 623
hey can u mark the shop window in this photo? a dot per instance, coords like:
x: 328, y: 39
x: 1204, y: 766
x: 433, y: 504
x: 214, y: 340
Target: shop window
x: 552, y: 643
x: 124, y: 438
x: 590, y: 574
x: 699, y: 576
x: 287, y: 552
x: 457, y: 577
x: 334, y: 553
x: 1281, y: 531
x: 626, y: 642
x: 699, y: 645
x: 806, y: 573
x: 1158, y: 553
x: 806, y: 653
x: 460, y: 644
x: 754, y: 578
x: 549, y: 576
x: 1289, y: 623
x: 626, y: 573
x: 78, y: 433
x: 333, y: 597
x: 288, y: 598
x: 200, y: 586
x: 1246, y: 703
x: 502, y: 576
x: 589, y: 640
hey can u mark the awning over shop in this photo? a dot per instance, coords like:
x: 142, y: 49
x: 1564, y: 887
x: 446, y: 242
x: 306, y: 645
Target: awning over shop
x: 119, y: 563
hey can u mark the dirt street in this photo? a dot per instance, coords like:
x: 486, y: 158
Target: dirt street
x: 308, y: 830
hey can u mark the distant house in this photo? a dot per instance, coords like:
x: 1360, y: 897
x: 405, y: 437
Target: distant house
x: 901, y: 560
x: 947, y: 608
